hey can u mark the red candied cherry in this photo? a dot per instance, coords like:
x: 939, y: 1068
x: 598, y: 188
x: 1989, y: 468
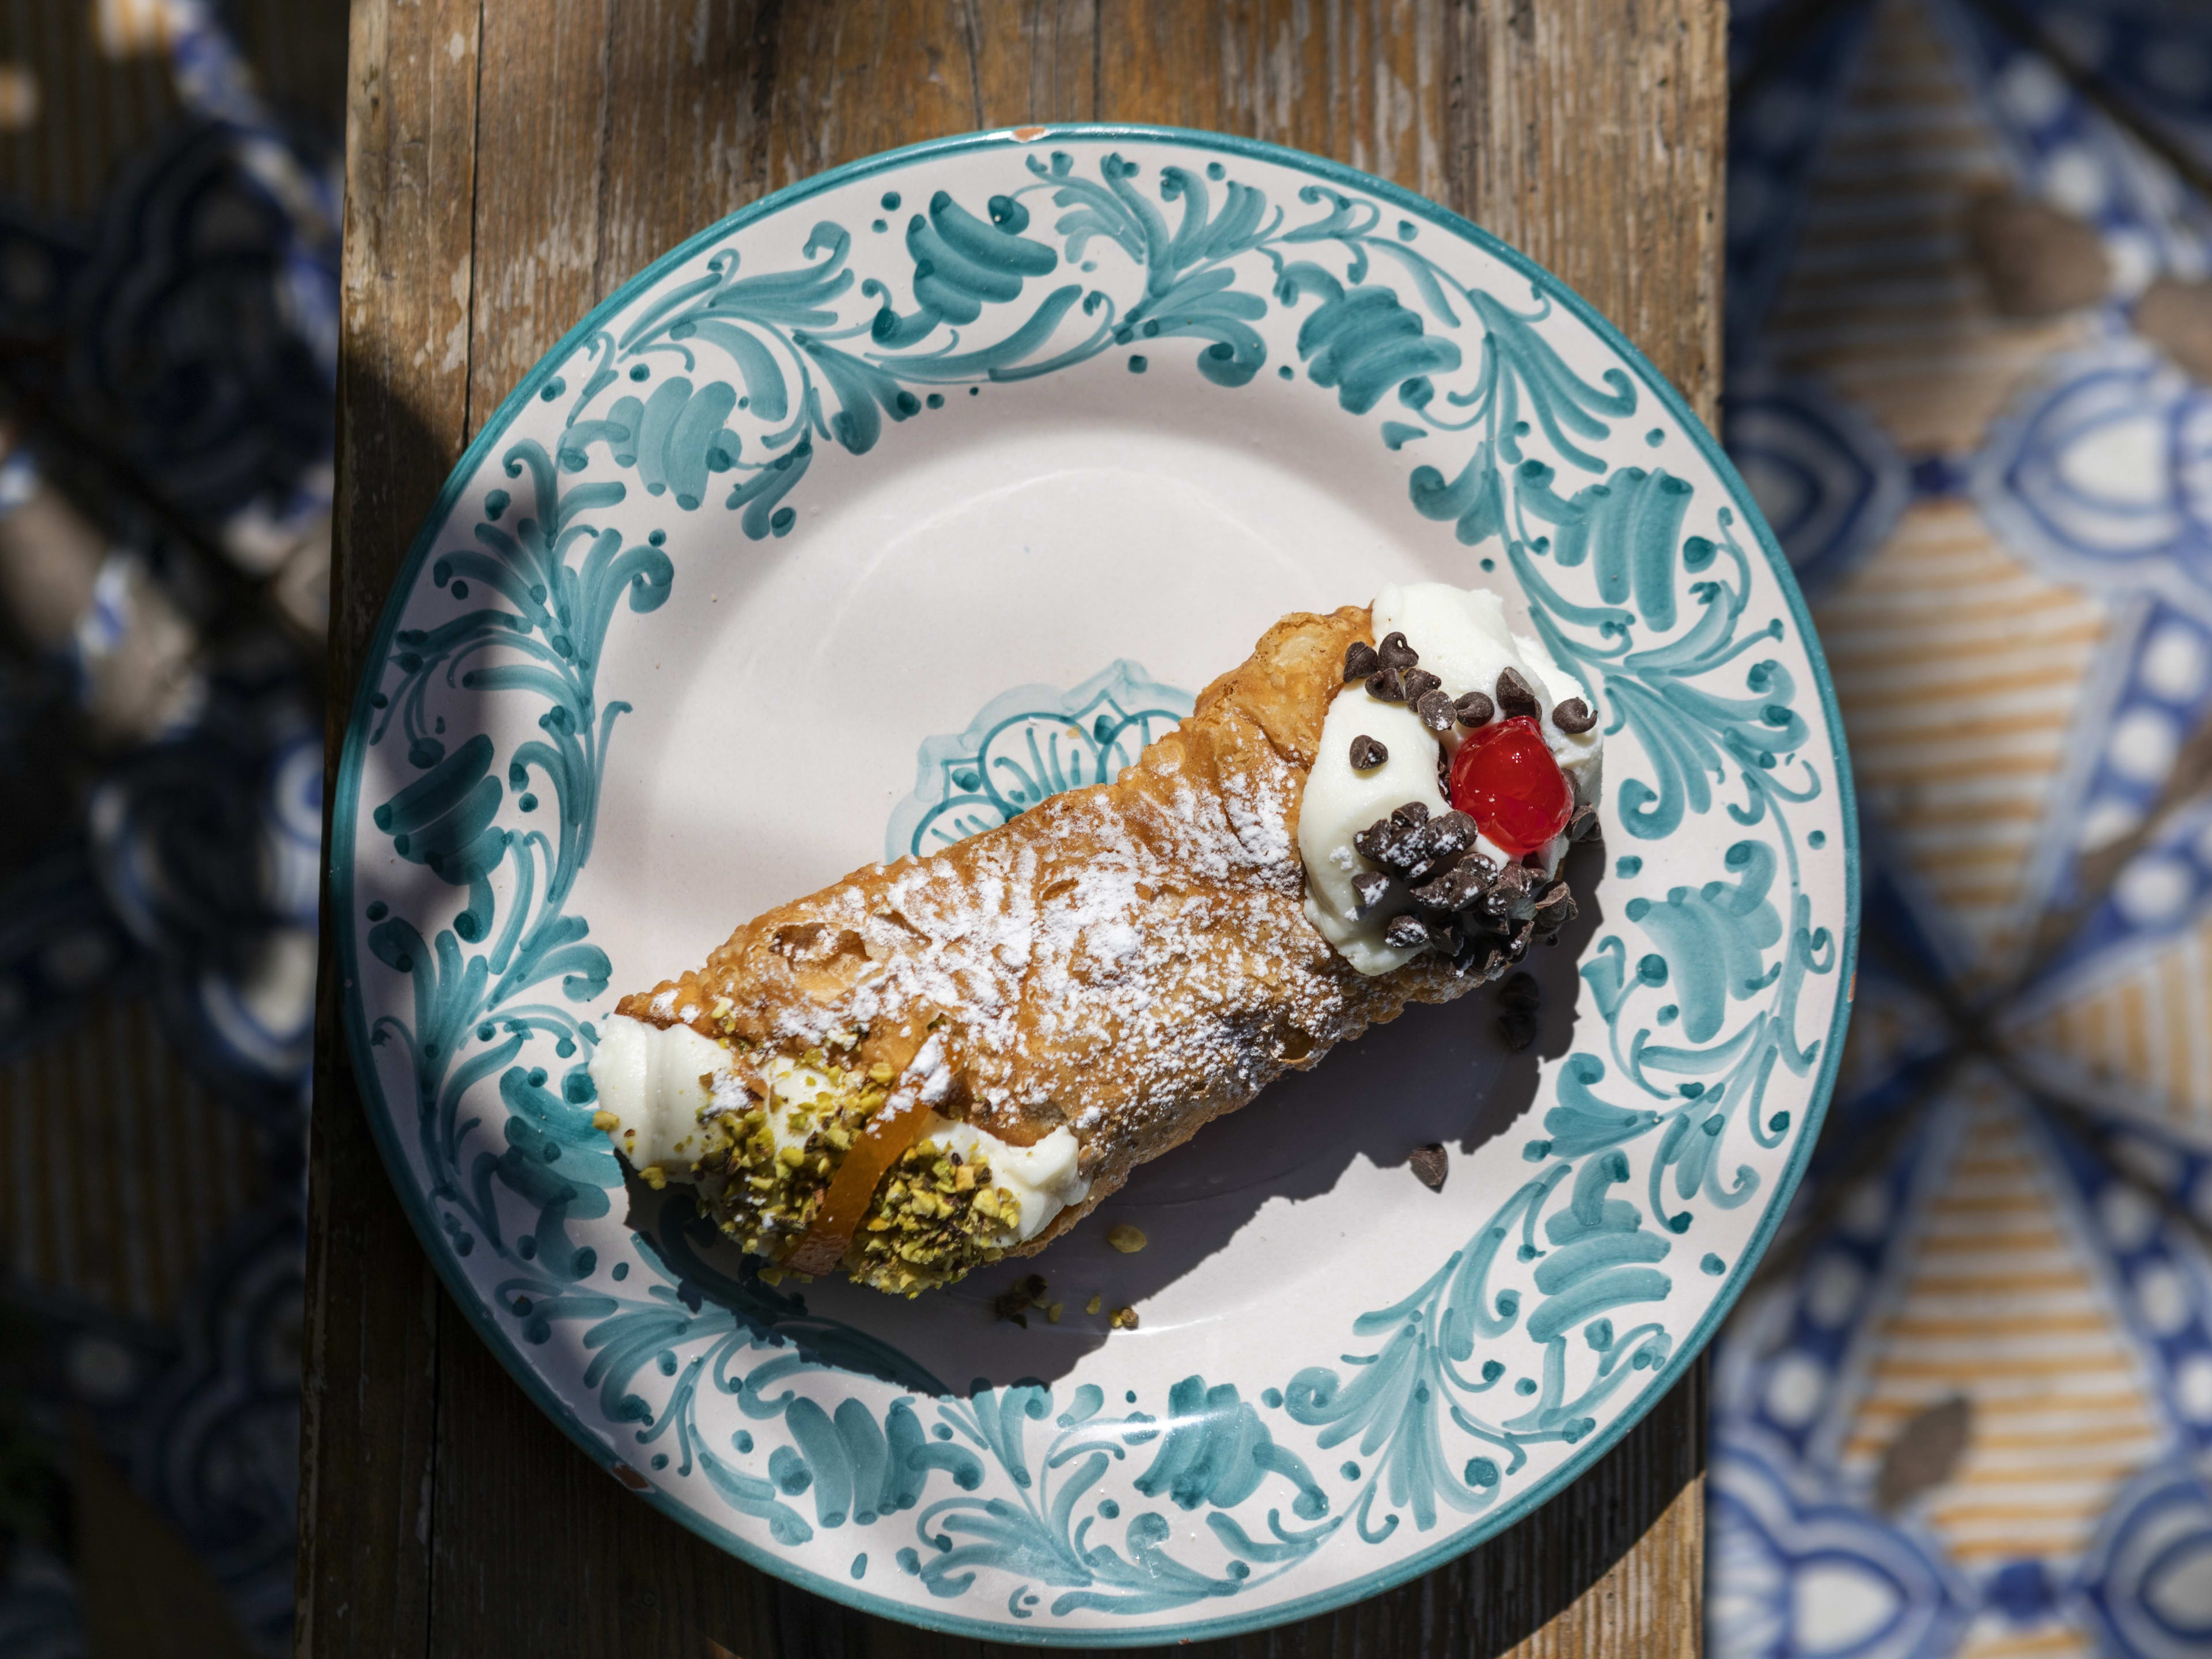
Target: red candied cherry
x: 1505, y: 778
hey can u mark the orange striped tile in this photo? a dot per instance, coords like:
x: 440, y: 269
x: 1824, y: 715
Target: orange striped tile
x: 2061, y: 1417
x: 2140, y: 1031
x: 2037, y: 1324
x: 2041, y: 1645
x: 1958, y: 723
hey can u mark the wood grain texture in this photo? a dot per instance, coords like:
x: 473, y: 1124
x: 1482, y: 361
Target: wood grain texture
x: 1592, y: 135
x: 507, y: 165
x: 370, y: 1347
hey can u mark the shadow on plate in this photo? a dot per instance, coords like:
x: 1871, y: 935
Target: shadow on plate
x: 1436, y: 1075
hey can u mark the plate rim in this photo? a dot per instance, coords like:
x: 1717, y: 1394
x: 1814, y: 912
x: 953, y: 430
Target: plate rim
x: 345, y: 787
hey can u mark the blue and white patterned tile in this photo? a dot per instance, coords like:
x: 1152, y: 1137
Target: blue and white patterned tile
x: 1794, y: 1572
x: 1988, y: 1262
x: 191, y: 321
x: 2075, y: 157
x: 1829, y: 481
x: 2143, y: 1581
x: 1790, y: 83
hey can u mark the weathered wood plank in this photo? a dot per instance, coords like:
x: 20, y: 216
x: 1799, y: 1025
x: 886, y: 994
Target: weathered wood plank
x: 610, y: 128
x: 1036, y: 60
x: 851, y: 79
x: 687, y: 128
x: 1591, y: 135
x: 368, y: 1380
x: 1360, y: 81
x: 542, y: 106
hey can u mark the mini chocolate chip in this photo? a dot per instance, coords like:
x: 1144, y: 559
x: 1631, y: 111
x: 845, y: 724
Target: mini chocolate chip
x: 1429, y: 846
x: 1385, y: 840
x: 1457, y: 888
x: 1367, y: 754
x: 1447, y: 834
x: 1514, y: 699
x: 1429, y: 1164
x: 1521, y: 991
x: 1412, y: 816
x: 1418, y: 683
x: 1475, y: 708
x: 1436, y: 711
x: 1014, y: 1303
x: 1583, y: 825
x: 1389, y: 844
x: 1406, y: 931
x: 1370, y: 887
x: 1518, y: 1027
x: 1574, y: 716
x: 1505, y: 906
x: 1359, y: 660
x: 1516, y: 879
x: 1394, y: 652
x: 1389, y: 685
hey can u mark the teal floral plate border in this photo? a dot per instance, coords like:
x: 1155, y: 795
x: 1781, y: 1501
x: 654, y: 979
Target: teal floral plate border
x: 1078, y: 412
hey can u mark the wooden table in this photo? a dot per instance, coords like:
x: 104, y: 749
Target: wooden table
x: 508, y: 163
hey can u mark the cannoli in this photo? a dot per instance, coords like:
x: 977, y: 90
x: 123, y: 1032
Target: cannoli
x: 935, y: 1063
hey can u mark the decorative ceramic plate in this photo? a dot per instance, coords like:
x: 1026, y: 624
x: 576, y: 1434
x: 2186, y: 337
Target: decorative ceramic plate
x: 884, y: 508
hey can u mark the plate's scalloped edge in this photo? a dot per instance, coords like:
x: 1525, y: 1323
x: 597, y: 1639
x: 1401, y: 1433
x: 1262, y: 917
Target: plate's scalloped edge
x: 345, y: 791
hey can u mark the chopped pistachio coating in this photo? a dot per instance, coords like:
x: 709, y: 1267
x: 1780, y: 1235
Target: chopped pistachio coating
x: 933, y: 1218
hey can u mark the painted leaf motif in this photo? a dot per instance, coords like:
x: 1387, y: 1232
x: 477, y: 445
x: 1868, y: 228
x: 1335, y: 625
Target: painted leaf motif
x: 1219, y: 1451
x: 961, y: 264
x: 1361, y: 342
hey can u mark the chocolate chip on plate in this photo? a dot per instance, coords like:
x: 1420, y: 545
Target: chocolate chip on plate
x: 1436, y: 711
x: 1359, y: 661
x: 1518, y: 1027
x: 1367, y: 754
x: 1515, y: 698
x: 1574, y: 716
x: 1474, y: 708
x: 1521, y: 991
x: 1429, y: 1164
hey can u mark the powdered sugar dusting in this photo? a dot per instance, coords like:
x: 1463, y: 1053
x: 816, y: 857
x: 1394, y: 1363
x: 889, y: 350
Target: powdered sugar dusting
x: 1128, y: 960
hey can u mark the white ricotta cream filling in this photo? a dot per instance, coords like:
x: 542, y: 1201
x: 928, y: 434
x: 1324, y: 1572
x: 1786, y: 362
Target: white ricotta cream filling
x: 649, y: 1077
x: 1042, y: 1178
x: 661, y: 1083
x: 1463, y: 639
